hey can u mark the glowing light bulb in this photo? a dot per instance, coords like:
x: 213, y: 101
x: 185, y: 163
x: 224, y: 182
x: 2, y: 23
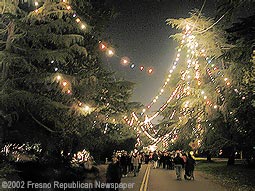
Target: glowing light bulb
x: 36, y: 10
x: 36, y: 3
x: 171, y: 71
x: 228, y: 83
x: 144, y: 110
x: 64, y: 83
x: 215, y: 107
x: 141, y: 68
x: 124, y: 61
x: 78, y: 20
x: 58, y: 77
x: 68, y: 7
x: 102, y: 46
x: 162, y: 90
x: 202, y: 92
x: 132, y: 65
x: 187, y: 27
x: 86, y: 108
x: 110, y: 53
x: 68, y: 91
x: 150, y: 71
x: 205, y: 97
x: 225, y: 79
x: 83, y: 26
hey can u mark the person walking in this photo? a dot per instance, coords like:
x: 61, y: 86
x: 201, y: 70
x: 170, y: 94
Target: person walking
x: 178, y: 164
x: 189, y: 168
x: 113, y: 173
x: 155, y: 159
x: 135, y: 161
x: 129, y: 164
x: 124, y: 163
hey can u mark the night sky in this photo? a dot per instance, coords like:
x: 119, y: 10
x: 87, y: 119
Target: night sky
x: 140, y: 32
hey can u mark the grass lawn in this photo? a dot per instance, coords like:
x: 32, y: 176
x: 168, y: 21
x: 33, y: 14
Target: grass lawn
x: 237, y: 178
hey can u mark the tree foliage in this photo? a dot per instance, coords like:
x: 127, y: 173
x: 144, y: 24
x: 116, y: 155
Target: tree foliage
x: 229, y: 55
x: 36, y: 47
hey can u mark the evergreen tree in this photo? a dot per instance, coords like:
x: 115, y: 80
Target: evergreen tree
x: 54, y: 81
x: 213, y: 112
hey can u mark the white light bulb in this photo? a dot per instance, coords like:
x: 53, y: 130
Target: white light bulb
x: 83, y: 26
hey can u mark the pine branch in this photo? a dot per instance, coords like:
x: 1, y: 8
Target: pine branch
x: 42, y: 125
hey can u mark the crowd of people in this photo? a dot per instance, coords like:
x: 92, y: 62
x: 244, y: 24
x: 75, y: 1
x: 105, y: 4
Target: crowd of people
x: 124, y: 163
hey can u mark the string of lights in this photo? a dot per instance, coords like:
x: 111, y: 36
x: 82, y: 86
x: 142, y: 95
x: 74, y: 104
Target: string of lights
x: 193, y: 52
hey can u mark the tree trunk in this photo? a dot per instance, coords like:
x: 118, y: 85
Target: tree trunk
x: 10, y: 28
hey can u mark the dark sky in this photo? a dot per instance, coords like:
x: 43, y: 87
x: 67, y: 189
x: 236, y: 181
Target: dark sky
x: 140, y: 32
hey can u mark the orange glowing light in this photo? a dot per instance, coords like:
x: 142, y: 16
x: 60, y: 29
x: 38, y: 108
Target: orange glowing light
x: 64, y: 83
x: 150, y: 71
x: 78, y: 20
x: 110, y: 53
x: 102, y: 46
x: 124, y: 61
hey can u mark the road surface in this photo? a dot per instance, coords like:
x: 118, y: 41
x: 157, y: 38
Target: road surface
x: 159, y: 179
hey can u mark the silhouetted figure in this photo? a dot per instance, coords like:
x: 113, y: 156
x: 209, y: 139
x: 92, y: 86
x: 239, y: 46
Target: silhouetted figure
x: 135, y: 160
x: 209, y: 157
x: 179, y: 164
x: 123, y: 164
x: 113, y: 174
x: 189, y: 168
x: 231, y: 159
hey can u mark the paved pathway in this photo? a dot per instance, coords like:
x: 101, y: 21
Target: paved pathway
x: 165, y: 180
